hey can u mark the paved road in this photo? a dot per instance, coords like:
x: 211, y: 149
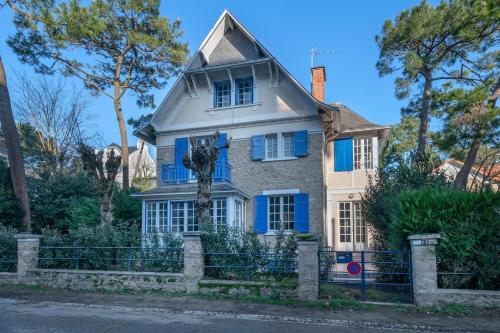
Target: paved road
x: 28, y: 316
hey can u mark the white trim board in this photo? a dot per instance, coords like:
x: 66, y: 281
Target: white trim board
x: 276, y: 192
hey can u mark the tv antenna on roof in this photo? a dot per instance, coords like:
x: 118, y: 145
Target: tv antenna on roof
x: 315, y: 52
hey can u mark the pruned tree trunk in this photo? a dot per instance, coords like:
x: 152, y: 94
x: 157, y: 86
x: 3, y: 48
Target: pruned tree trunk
x: 14, y: 153
x: 106, y: 208
x: 104, y: 181
x: 202, y: 162
x: 463, y: 173
x: 424, y: 115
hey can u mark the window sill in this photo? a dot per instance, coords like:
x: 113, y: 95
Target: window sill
x: 280, y: 159
x: 234, y: 107
x: 350, y: 171
x: 275, y: 233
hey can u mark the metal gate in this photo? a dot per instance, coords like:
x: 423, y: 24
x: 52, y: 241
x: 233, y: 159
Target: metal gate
x: 378, y: 276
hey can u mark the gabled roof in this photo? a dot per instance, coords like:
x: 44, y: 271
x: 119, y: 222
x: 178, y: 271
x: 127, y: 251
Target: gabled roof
x: 493, y: 171
x: 204, y: 60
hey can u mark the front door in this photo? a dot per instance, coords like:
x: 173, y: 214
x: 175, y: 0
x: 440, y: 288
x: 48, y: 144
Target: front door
x: 351, y: 230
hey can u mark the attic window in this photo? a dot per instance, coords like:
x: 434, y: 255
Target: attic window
x: 222, y: 94
x: 244, y: 91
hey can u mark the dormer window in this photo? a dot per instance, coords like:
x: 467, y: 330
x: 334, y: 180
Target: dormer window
x: 222, y: 96
x: 244, y: 91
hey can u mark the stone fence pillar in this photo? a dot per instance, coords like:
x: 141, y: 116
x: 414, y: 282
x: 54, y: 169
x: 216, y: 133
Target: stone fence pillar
x: 28, y: 246
x: 424, y: 270
x: 194, y: 264
x: 308, y: 265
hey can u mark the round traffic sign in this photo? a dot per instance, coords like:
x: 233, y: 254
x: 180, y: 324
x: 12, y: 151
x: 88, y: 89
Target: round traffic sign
x: 354, y: 268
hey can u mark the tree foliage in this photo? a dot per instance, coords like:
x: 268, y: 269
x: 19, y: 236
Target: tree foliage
x: 426, y: 44
x: 113, y: 46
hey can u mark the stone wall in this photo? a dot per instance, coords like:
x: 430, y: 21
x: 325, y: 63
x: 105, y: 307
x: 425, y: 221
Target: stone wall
x: 305, y: 174
x: 475, y: 298
x: 106, y: 280
x: 163, y: 155
x: 247, y: 288
x: 253, y: 177
x: 8, y: 278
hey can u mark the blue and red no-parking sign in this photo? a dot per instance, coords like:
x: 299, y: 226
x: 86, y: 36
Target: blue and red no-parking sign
x: 354, y: 268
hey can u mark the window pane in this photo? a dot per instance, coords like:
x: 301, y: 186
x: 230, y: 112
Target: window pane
x: 177, y: 216
x: 238, y: 215
x: 288, y: 210
x: 245, y: 91
x: 150, y: 217
x: 163, y: 217
x: 272, y: 146
x: 357, y: 153
x: 367, y: 153
x: 219, y: 212
x: 360, y: 228
x: 288, y: 145
x: 191, y: 222
x: 274, y: 213
x: 345, y: 222
x: 222, y: 94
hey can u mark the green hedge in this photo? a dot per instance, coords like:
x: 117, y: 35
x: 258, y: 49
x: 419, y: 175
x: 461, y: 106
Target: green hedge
x: 469, y: 225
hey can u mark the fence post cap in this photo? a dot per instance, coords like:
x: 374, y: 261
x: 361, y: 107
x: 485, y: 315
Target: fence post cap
x: 424, y: 236
x: 26, y: 236
x: 306, y: 238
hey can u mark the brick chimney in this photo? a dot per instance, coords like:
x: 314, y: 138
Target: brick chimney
x: 318, y: 83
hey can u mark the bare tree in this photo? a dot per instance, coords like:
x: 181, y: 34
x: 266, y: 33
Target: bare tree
x: 14, y: 153
x: 103, y: 174
x: 202, y: 162
x: 57, y: 118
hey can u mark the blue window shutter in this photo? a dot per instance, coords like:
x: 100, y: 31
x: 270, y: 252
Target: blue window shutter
x: 260, y: 214
x: 258, y: 147
x: 301, y: 143
x: 343, y: 154
x: 181, y: 148
x: 301, y: 201
x: 223, y: 153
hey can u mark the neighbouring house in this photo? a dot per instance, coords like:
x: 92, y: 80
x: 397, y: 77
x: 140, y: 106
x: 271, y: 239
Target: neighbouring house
x: 486, y: 175
x: 141, y: 163
x: 294, y: 163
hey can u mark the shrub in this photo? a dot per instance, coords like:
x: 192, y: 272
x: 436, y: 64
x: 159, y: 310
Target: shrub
x: 84, y: 212
x: 8, y: 249
x: 52, y: 197
x: 127, y: 209
x: 245, y: 256
x: 395, y: 177
x: 469, y: 225
x: 11, y: 212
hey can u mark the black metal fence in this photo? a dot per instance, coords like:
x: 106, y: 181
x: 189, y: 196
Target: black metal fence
x: 382, y: 276
x: 145, y: 259
x: 8, y: 261
x: 251, y: 266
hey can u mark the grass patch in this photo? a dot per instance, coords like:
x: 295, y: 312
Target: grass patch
x: 451, y: 309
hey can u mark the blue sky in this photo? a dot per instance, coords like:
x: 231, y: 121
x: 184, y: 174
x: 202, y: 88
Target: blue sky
x: 288, y: 29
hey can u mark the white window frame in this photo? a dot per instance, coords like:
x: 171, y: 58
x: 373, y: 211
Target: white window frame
x: 280, y: 140
x: 167, y: 226
x: 216, y: 97
x: 215, y: 214
x: 267, y: 143
x: 281, y: 205
x: 238, y: 214
x: 356, y: 227
x: 359, y: 153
